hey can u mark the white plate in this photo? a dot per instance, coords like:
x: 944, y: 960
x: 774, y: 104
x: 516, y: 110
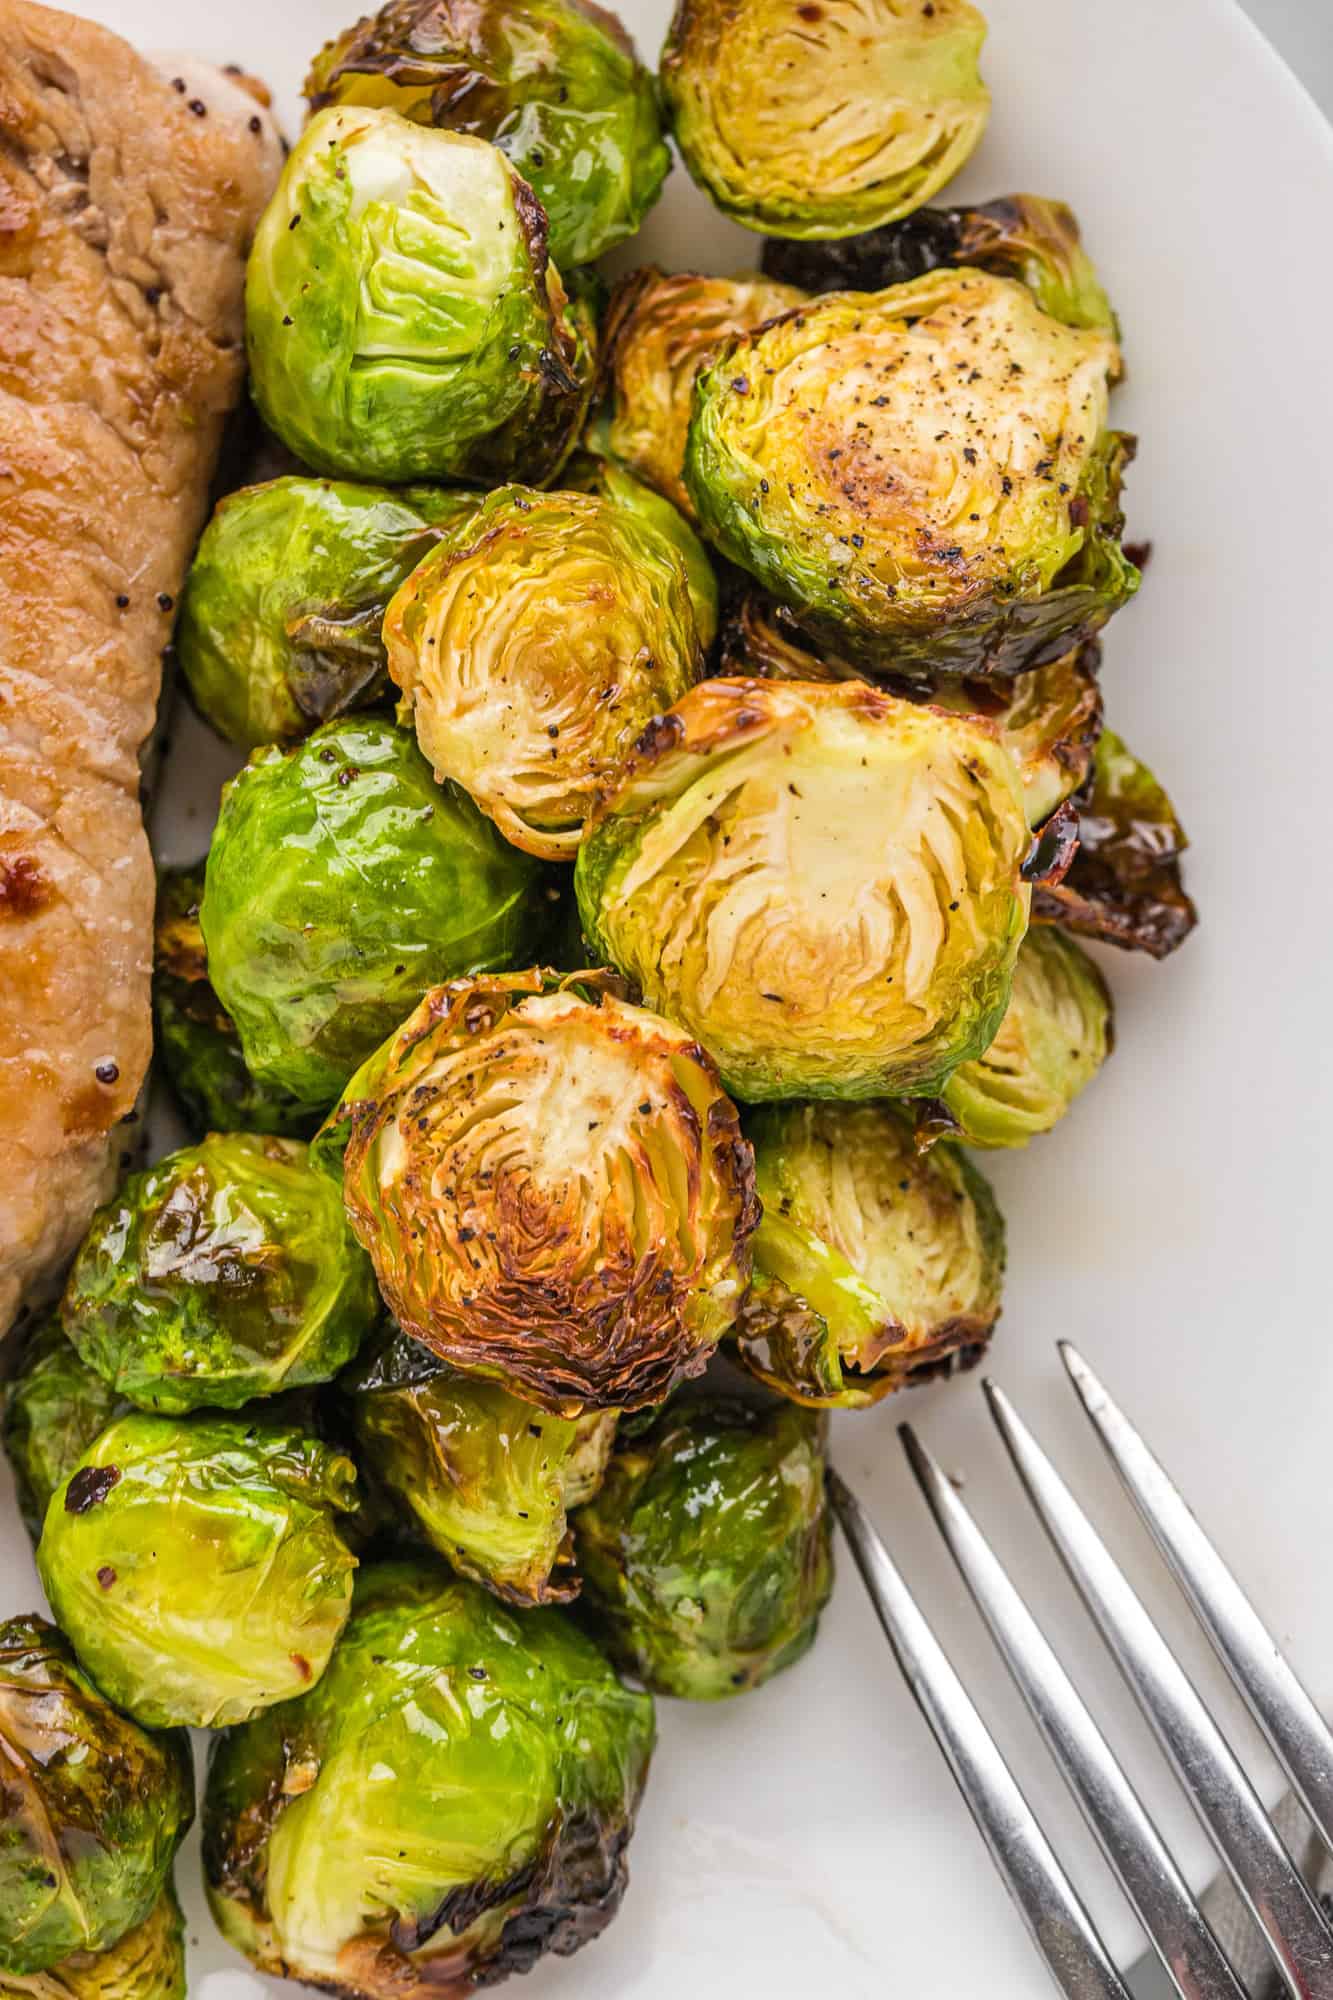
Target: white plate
x: 806, y: 1838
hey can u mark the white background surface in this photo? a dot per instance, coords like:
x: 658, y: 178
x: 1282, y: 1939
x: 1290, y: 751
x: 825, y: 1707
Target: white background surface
x: 806, y: 1839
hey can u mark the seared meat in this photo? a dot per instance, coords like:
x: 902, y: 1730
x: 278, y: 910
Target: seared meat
x: 126, y: 206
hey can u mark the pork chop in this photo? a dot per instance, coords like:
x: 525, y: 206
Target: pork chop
x: 128, y: 197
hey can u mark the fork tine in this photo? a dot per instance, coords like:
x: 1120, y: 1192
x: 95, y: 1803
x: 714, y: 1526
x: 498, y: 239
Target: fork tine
x: 1280, y: 1705
x: 1131, y: 1843
x: 1221, y: 1794
x: 1060, y: 1927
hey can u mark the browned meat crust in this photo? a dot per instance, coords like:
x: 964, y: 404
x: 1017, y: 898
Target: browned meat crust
x: 126, y: 206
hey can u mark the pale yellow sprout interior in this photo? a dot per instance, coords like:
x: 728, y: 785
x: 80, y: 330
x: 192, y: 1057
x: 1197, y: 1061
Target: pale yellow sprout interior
x: 949, y: 421
x: 835, y: 98
x: 532, y: 658
x: 1049, y: 1046
x: 850, y: 1175
x: 828, y: 889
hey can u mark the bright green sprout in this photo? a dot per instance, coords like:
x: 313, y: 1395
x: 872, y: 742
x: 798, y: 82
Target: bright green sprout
x: 341, y: 883
x: 54, y: 1408
x: 148, y: 1963
x: 707, y: 1555
x: 224, y: 1272
x: 196, y: 1565
x: 453, y: 1800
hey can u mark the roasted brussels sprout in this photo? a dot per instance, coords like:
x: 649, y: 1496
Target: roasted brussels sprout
x: 1124, y: 886
x: 707, y: 1556
x: 1019, y: 236
x: 660, y: 331
x: 486, y: 1479
x: 828, y: 118
x: 402, y: 319
x: 553, y: 83
x: 452, y: 1801
x: 821, y: 881
x: 553, y: 1190
x: 279, y: 625
x: 924, y: 473
x: 342, y: 881
x: 874, y: 1263
x: 590, y: 473
x: 224, y: 1272
x: 54, y: 1408
x: 196, y: 1567
x: 148, y: 1963
x: 195, y: 1038
x: 94, y: 1806
x: 531, y: 649
x: 1049, y: 719
x: 1051, y: 1043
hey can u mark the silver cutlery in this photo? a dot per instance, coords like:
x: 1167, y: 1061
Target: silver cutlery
x: 1295, y: 1928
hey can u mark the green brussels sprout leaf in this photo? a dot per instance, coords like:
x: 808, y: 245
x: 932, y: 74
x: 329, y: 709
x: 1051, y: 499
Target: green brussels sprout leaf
x: 1125, y: 883
x: 148, y: 1963
x: 54, y: 1408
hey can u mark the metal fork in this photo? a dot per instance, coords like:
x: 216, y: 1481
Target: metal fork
x: 1294, y: 1927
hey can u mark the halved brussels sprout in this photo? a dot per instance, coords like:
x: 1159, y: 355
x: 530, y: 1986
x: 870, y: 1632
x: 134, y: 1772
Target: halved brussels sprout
x: 826, y: 118
x: 532, y: 647
x: 554, y: 83
x: 553, y: 1189
x: 660, y: 330
x: 224, y: 1272
x: 452, y: 1801
x: 402, y: 318
x: 1051, y: 1043
x: 821, y: 881
x: 924, y: 474
x: 1018, y: 236
x: 1049, y: 719
x: 707, y: 1556
x: 341, y: 883
x: 94, y: 1807
x: 587, y: 472
x: 874, y: 1263
x: 1124, y: 886
x: 279, y: 625
x: 486, y: 1479
x: 54, y: 1408
x: 195, y: 1038
x: 195, y: 1565
x: 148, y: 1963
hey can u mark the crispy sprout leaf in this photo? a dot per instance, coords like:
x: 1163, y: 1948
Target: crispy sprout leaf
x: 1125, y: 884
x: 1018, y: 236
